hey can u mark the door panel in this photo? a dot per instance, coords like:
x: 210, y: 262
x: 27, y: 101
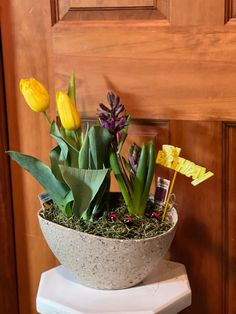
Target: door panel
x: 201, y: 12
x: 161, y: 72
x: 199, y: 242
x: 106, y: 9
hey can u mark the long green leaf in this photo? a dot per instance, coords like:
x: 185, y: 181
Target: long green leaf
x: 140, y: 179
x: 69, y: 153
x: 124, y: 134
x: 99, y: 140
x: 56, y: 160
x: 116, y: 170
x: 151, y: 160
x: 96, y: 207
x: 72, y: 88
x: 84, y: 152
x: 56, y: 134
x: 43, y: 174
x: 85, y: 184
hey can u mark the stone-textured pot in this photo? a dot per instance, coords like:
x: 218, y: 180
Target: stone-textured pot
x: 105, y: 263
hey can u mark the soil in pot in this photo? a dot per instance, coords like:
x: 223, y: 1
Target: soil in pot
x: 116, y: 222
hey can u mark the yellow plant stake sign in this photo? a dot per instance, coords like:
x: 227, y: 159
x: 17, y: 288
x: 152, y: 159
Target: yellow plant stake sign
x: 169, y: 157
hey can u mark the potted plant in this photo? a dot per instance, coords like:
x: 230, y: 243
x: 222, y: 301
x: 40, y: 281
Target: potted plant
x: 106, y: 240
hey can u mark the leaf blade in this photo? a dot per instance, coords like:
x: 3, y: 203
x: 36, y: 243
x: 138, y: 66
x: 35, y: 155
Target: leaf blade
x: 43, y: 174
x: 85, y: 184
x: 99, y: 140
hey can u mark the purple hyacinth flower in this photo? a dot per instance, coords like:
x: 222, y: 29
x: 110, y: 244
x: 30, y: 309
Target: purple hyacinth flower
x: 114, y: 118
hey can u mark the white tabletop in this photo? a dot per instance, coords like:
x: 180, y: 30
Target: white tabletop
x: 166, y: 290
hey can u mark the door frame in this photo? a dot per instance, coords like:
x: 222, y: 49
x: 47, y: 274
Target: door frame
x: 8, y: 272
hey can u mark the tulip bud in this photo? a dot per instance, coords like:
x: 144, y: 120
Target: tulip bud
x: 68, y: 113
x: 35, y: 94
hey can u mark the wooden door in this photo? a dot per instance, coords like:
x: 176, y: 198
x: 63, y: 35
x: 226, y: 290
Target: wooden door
x: 174, y: 65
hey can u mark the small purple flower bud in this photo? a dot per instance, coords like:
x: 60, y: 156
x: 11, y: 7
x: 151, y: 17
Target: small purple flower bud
x: 119, y: 109
x: 103, y: 116
x: 116, y: 102
x: 110, y: 98
x: 112, y: 123
x: 105, y: 124
x: 103, y: 107
x: 121, y: 124
x: 123, y: 121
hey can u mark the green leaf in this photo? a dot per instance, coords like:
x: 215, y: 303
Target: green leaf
x: 73, y: 138
x: 69, y: 154
x: 99, y: 140
x: 59, y: 192
x: 97, y: 205
x: 124, y: 134
x: 140, y: 179
x: 68, y: 204
x: 72, y: 88
x: 151, y: 161
x: 84, y: 152
x: 56, y: 134
x: 126, y: 164
x: 94, y: 151
x: 85, y: 184
x: 56, y: 159
x: 119, y: 178
x: 74, y: 156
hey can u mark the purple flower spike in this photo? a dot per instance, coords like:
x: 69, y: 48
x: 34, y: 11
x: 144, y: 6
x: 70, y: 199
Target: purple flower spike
x: 114, y: 118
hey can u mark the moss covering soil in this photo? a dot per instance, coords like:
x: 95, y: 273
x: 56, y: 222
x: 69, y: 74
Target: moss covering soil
x: 115, y: 223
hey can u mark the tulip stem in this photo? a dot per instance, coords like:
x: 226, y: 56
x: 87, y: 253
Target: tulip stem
x: 77, y: 138
x: 47, y: 117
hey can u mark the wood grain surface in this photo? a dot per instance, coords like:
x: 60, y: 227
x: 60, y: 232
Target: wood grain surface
x: 201, y: 12
x: 198, y: 242
x: 161, y: 72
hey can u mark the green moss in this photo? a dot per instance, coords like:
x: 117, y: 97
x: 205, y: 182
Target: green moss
x: 115, y: 223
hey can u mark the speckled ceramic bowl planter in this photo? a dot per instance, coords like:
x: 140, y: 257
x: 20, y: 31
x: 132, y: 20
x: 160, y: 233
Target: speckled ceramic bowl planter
x: 105, y: 263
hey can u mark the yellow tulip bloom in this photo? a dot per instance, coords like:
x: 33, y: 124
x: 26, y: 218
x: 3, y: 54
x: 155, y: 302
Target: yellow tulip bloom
x: 35, y: 94
x: 68, y: 113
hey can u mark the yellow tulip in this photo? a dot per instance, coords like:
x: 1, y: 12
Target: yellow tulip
x: 35, y: 94
x: 68, y: 113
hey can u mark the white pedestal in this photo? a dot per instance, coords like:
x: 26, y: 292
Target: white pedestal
x: 166, y: 290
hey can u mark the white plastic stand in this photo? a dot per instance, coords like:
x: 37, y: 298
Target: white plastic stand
x: 166, y: 290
